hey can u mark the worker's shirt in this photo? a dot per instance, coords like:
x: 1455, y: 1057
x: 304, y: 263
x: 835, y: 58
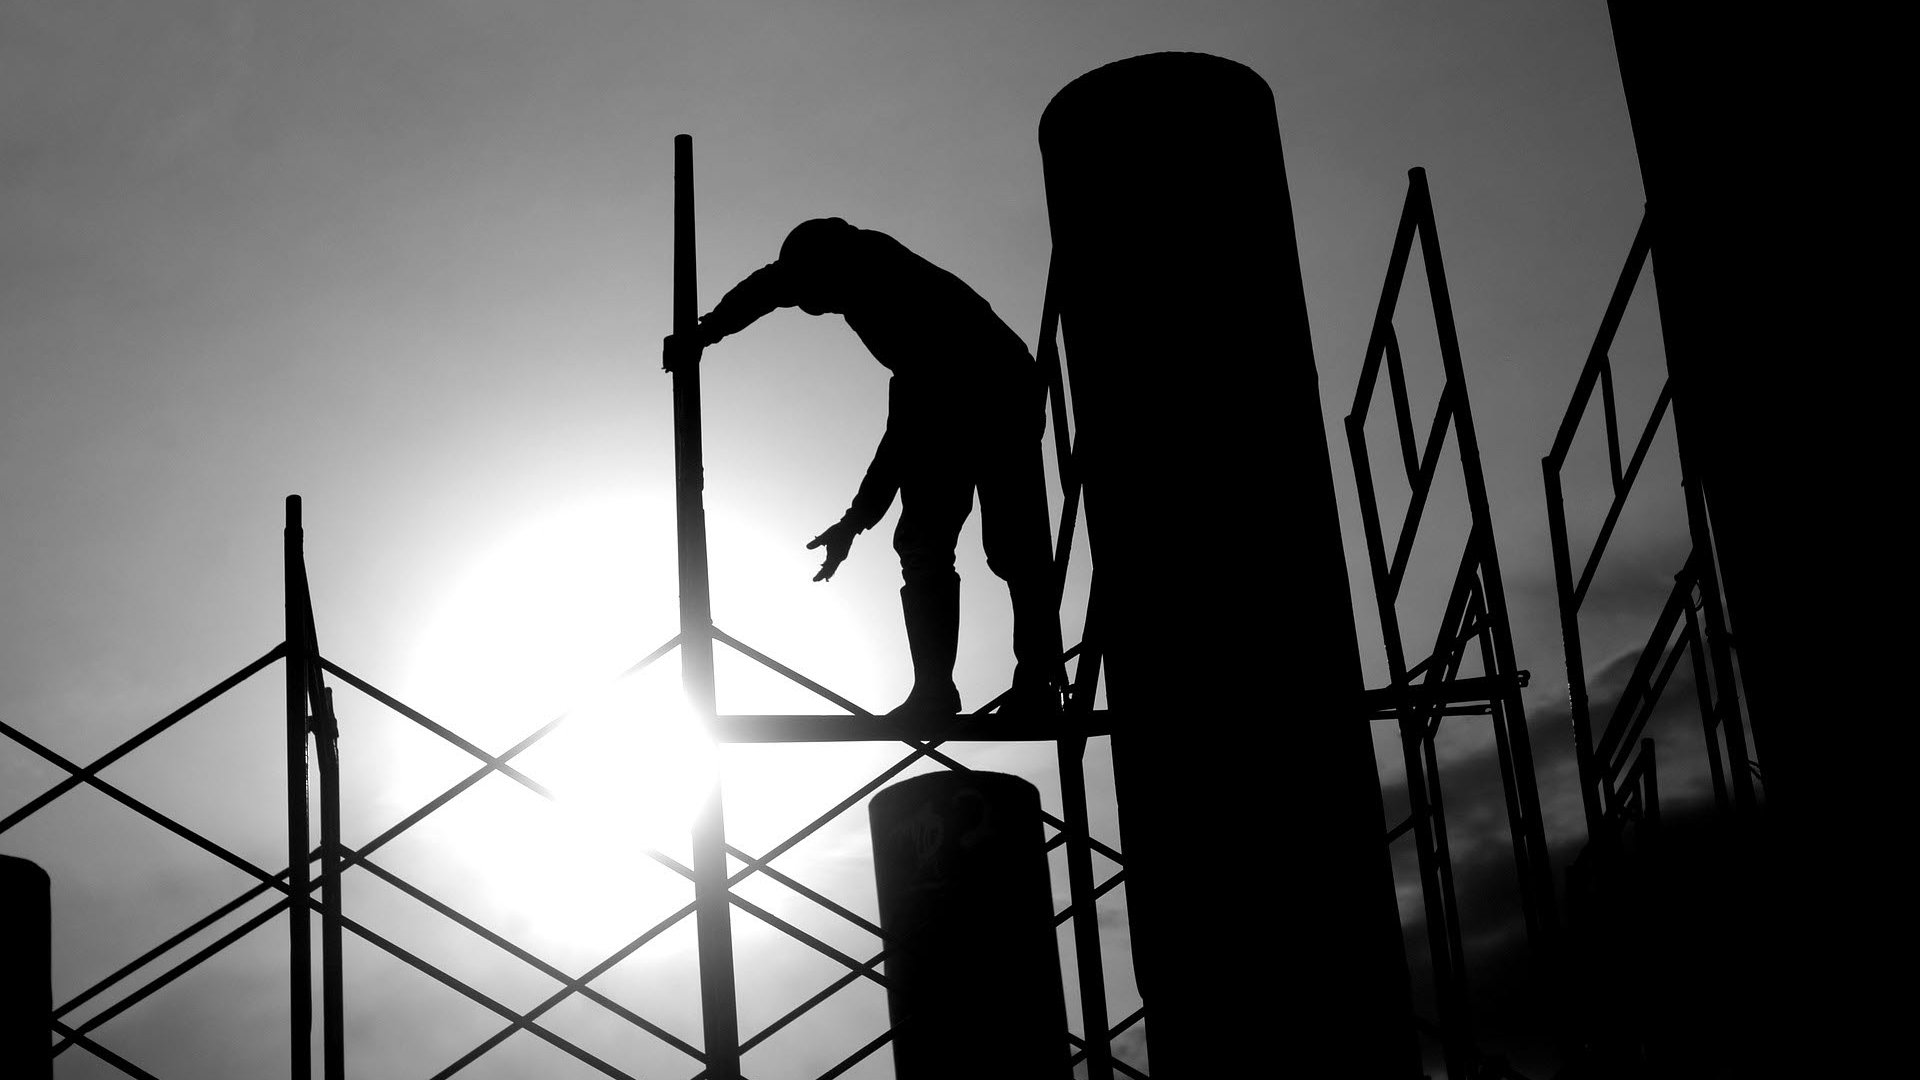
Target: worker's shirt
x: 963, y: 380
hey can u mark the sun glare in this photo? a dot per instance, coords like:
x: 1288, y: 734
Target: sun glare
x: 632, y: 757
x: 548, y: 623
x: 629, y: 769
x: 544, y: 624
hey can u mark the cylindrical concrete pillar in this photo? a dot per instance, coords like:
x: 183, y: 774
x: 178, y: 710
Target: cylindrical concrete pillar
x: 26, y: 970
x: 1249, y: 802
x: 973, y: 967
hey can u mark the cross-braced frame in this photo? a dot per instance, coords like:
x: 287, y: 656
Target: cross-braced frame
x: 300, y: 889
x: 1422, y: 693
x: 1615, y: 763
x: 310, y: 883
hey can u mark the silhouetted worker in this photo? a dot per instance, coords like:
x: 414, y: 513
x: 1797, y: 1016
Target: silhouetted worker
x: 965, y: 412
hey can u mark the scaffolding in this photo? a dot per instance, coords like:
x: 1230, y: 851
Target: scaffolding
x: 312, y: 738
x: 1417, y: 698
x: 1636, y: 900
x: 1421, y: 694
x: 1618, y: 778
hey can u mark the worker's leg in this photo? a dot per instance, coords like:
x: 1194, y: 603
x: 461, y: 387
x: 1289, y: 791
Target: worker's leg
x: 1016, y: 534
x: 933, y: 506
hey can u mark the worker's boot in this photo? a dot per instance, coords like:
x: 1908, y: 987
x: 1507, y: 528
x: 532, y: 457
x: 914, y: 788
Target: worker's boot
x: 932, y: 611
x: 1038, y: 676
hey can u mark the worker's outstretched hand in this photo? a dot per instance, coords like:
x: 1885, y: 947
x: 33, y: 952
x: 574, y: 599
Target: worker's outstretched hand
x: 838, y: 539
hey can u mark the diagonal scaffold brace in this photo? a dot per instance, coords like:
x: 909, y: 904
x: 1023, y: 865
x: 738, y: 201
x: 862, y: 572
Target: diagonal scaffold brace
x: 720, y: 1021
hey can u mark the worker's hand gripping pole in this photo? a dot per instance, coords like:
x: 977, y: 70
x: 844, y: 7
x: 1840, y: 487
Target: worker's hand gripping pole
x: 719, y: 1019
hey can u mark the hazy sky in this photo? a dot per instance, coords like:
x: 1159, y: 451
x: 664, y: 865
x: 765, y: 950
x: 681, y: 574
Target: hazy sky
x: 410, y: 260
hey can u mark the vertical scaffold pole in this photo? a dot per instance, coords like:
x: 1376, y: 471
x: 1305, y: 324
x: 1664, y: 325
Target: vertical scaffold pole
x: 304, y: 641
x: 332, y: 965
x: 713, y: 918
x: 299, y: 882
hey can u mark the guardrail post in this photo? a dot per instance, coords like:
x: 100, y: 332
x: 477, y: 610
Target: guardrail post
x: 713, y: 919
x: 332, y: 975
x: 299, y: 879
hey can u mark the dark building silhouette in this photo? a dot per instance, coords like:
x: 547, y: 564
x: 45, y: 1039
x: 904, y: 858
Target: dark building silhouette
x: 1721, y: 946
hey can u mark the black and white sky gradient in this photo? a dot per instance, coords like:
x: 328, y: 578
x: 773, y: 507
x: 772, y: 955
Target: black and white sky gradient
x: 410, y: 260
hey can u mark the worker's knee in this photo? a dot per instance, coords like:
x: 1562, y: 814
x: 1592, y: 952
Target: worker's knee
x: 1017, y: 551
x: 924, y: 558
x: 924, y: 573
x: 926, y: 541
x: 1029, y: 566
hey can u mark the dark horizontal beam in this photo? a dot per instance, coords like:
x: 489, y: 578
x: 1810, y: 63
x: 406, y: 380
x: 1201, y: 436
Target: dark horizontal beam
x: 1383, y: 703
x: 1003, y: 726
x: 987, y: 727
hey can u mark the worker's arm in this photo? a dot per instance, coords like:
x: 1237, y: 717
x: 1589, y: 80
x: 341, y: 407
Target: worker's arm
x: 870, y: 503
x: 757, y: 294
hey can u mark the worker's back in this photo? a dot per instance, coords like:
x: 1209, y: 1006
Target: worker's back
x: 922, y: 322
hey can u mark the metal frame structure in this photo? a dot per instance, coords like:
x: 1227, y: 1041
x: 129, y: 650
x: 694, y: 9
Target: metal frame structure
x: 1618, y: 784
x: 310, y: 716
x: 1636, y: 884
x: 1419, y: 695
x: 311, y: 724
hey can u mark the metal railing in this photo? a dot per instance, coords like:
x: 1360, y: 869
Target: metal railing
x: 1693, y: 621
x: 1421, y: 693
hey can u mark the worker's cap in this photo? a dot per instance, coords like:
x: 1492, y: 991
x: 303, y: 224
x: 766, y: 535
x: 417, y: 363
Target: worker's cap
x: 816, y: 240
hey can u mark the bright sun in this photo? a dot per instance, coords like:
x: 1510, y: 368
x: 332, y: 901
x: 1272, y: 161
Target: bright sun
x: 548, y: 622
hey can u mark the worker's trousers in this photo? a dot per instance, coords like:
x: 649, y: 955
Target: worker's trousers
x: 999, y: 457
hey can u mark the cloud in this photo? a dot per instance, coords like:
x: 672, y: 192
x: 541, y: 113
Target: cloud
x: 1507, y: 987
x: 1130, y: 1046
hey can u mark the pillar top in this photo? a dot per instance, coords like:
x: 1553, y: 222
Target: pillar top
x: 1151, y: 82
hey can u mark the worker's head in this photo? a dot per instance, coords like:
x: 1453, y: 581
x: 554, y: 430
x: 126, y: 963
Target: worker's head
x: 815, y: 251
